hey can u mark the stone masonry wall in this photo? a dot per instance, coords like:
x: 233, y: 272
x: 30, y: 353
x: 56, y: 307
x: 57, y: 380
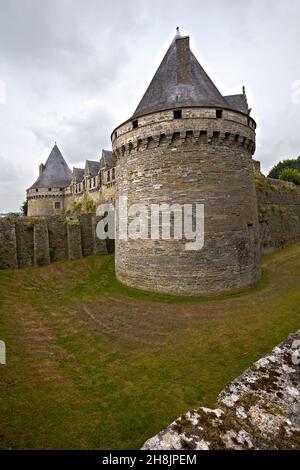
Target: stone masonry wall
x: 191, y: 160
x: 8, y: 244
x: 28, y: 241
x: 259, y: 410
x: 278, y: 213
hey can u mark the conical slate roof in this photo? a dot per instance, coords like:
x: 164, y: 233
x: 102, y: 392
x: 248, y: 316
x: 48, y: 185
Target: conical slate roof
x: 179, y: 82
x: 237, y: 102
x: 56, y: 172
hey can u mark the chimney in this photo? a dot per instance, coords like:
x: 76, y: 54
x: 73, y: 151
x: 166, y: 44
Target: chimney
x: 183, y: 61
x: 41, y: 168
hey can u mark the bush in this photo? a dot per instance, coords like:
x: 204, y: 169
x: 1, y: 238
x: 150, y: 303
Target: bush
x: 281, y: 166
x: 290, y: 174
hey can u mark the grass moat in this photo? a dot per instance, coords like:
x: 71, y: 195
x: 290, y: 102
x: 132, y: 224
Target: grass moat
x: 93, y: 364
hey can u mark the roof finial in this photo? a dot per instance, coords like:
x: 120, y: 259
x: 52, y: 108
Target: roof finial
x: 244, y: 91
x: 177, y: 32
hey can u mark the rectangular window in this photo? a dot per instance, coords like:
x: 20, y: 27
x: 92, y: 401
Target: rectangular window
x: 177, y: 114
x: 113, y: 173
x: 219, y: 113
x: 57, y: 205
x: 135, y: 124
x: 108, y: 175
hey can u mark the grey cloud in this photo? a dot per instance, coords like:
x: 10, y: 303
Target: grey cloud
x: 80, y: 137
x: 57, y: 54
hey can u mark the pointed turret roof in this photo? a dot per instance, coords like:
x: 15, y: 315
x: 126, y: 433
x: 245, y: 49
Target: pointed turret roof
x: 77, y: 174
x: 92, y: 167
x: 179, y: 82
x: 108, y: 159
x: 56, y: 172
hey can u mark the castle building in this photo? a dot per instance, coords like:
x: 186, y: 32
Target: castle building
x: 58, y: 189
x: 186, y: 143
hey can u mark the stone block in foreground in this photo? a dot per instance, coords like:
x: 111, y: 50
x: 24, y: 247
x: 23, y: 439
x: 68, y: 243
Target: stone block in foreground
x: 258, y: 410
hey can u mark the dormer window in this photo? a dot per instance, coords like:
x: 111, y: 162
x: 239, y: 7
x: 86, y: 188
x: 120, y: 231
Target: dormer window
x: 135, y: 124
x: 177, y: 114
x: 219, y: 114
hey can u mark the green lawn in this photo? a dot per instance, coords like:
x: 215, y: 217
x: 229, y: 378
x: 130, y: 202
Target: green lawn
x: 93, y: 364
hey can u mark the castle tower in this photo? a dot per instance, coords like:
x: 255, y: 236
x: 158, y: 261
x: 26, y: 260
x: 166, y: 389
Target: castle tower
x: 188, y: 144
x: 45, y: 196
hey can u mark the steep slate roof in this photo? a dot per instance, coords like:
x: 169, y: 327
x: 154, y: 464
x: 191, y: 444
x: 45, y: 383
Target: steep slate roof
x: 179, y: 82
x: 92, y: 167
x: 78, y: 174
x: 108, y: 159
x: 56, y: 173
x: 237, y: 102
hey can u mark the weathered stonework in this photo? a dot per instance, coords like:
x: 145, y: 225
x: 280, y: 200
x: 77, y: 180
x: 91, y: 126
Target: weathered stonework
x: 57, y: 234
x: 258, y: 410
x: 74, y: 238
x: 8, y: 244
x: 196, y: 159
x: 24, y: 237
x: 28, y: 241
x: 278, y: 212
x: 41, y: 242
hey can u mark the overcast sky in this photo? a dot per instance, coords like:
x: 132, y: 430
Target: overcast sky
x: 72, y: 70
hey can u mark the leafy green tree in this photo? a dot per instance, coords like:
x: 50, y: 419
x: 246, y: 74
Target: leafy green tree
x: 290, y: 174
x: 281, y: 166
x: 90, y: 206
x: 24, y: 208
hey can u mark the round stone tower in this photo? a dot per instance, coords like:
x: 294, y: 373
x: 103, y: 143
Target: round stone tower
x: 46, y: 195
x: 188, y: 144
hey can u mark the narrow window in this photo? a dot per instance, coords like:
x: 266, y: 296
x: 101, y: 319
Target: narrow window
x: 36, y: 190
x: 108, y: 175
x: 219, y: 113
x: 177, y: 114
x: 250, y: 225
x: 113, y: 173
x: 135, y: 124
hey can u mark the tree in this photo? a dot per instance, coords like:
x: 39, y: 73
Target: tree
x: 290, y: 174
x: 281, y: 166
x: 24, y: 208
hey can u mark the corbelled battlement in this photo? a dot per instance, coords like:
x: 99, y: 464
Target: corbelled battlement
x: 195, y: 125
